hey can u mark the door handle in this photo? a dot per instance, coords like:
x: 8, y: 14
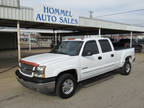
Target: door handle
x: 99, y: 57
x: 112, y: 55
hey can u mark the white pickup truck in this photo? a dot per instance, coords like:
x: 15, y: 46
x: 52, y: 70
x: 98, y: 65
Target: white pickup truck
x: 71, y: 62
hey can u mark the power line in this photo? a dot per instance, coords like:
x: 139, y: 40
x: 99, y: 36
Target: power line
x: 124, y: 12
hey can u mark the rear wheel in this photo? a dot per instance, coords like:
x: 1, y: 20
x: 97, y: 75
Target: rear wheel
x: 66, y: 85
x: 126, y: 69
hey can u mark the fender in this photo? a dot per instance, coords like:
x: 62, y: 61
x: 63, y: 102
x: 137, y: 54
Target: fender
x: 64, y: 69
x: 124, y: 57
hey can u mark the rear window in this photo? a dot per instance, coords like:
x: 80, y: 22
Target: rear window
x: 105, y: 46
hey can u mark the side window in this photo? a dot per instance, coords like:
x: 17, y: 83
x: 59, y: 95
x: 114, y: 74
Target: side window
x: 105, y: 46
x: 91, y: 46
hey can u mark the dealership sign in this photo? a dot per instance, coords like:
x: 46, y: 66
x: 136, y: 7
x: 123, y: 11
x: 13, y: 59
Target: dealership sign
x: 54, y: 15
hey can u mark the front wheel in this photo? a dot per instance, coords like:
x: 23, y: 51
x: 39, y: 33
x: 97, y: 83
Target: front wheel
x: 66, y: 85
x: 126, y: 69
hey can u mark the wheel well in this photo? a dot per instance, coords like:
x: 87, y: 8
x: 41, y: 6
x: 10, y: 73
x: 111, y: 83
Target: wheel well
x: 73, y: 72
x: 127, y: 58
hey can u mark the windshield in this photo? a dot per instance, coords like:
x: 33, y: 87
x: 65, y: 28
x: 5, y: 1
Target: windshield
x: 71, y: 48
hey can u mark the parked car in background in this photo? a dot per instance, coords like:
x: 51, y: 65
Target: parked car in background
x: 141, y: 41
x: 125, y: 43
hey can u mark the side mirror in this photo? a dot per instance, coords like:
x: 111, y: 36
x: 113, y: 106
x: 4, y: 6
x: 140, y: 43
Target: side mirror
x: 87, y: 53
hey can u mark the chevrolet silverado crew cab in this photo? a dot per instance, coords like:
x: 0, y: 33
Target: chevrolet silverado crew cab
x: 71, y: 62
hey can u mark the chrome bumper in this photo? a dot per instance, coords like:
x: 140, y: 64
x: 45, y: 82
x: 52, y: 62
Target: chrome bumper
x: 47, y: 87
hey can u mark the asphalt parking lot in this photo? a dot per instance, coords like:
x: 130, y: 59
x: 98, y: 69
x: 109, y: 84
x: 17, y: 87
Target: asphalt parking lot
x: 113, y: 91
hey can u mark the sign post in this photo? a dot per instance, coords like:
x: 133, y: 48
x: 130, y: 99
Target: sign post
x: 18, y: 40
x: 29, y: 41
x: 99, y: 32
x: 131, y: 39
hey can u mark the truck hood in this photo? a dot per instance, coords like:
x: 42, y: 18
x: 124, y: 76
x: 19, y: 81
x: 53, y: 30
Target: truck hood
x: 44, y: 59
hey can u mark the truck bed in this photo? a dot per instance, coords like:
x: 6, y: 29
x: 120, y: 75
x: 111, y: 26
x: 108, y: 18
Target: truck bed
x: 125, y: 52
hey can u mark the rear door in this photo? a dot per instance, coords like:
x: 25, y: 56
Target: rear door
x: 108, y: 55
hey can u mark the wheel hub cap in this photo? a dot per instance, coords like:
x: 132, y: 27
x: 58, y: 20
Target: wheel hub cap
x: 68, y: 86
x: 127, y: 68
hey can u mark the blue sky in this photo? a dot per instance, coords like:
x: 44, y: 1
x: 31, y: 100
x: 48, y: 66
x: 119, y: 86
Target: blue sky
x: 99, y: 7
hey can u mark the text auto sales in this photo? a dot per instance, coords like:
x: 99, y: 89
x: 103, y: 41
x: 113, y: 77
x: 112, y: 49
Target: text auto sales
x: 56, y: 16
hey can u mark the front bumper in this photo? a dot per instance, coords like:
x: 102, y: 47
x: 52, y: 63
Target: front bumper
x: 38, y: 84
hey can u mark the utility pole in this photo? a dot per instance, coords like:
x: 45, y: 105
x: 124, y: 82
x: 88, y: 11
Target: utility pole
x: 91, y: 14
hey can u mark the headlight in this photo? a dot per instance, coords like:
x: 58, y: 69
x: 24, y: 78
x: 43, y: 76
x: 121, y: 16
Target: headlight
x: 40, y: 71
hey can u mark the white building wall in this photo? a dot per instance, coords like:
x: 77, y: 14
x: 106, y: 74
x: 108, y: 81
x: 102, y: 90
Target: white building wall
x: 87, y: 22
x: 11, y: 3
x: 25, y: 14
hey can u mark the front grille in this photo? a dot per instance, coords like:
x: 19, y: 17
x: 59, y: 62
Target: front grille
x: 26, y: 69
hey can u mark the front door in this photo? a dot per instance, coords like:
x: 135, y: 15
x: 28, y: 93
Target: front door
x: 90, y: 64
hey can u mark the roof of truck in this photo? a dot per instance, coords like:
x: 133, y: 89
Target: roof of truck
x: 84, y: 39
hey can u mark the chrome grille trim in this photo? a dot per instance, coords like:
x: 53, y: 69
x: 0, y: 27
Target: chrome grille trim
x: 26, y: 69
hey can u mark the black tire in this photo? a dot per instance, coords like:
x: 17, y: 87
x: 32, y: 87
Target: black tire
x: 126, y: 69
x: 60, y: 86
